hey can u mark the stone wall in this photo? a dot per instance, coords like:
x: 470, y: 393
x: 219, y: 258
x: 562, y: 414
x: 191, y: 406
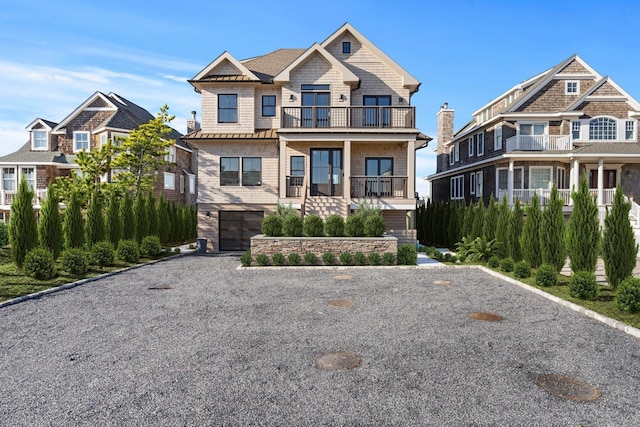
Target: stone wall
x: 321, y: 245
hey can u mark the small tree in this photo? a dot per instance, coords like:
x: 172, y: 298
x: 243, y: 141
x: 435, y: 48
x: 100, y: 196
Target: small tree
x: 490, y: 220
x: 73, y: 226
x: 152, y: 214
x: 583, y: 234
x: 503, y: 222
x: 467, y: 221
x: 50, y: 228
x: 619, y: 249
x: 478, y: 220
x: 530, y: 240
x: 164, y: 226
x: 453, y: 230
x: 113, y: 223
x: 23, y: 230
x: 552, y: 233
x: 141, y: 218
x: 514, y: 232
x: 94, y: 226
x: 128, y: 219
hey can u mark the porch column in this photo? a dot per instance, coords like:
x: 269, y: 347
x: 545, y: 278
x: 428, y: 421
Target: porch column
x: 282, y: 159
x: 510, y: 182
x: 600, y: 182
x: 411, y: 169
x: 574, y: 177
x: 347, y: 172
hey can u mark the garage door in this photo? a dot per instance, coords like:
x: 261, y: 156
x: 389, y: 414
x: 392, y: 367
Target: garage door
x: 237, y: 228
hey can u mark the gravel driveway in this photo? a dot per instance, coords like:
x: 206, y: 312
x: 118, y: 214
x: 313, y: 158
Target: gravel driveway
x: 214, y: 345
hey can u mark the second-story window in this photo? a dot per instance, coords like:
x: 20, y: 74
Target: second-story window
x: 229, y: 171
x: 575, y: 131
x: 171, y: 154
x: 572, y: 88
x: 602, y: 128
x: 630, y: 130
x: 268, y: 106
x: 480, y: 138
x: 80, y: 141
x: 228, y: 108
x: 497, y: 138
x: 470, y: 142
x: 29, y: 175
x: 9, y: 179
x: 39, y: 139
x: 346, y: 47
x: 251, y: 171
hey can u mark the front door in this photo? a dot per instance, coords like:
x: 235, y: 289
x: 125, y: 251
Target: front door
x: 609, y: 178
x: 326, y: 172
x: 315, y: 109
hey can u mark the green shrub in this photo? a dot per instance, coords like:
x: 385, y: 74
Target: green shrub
x: 374, y: 258
x: 507, y: 265
x: 388, y: 258
x: 494, y: 262
x: 277, y: 258
x: 334, y: 226
x: 346, y: 258
x: 23, y: 229
x: 294, y: 258
x: 246, y: 258
x: 74, y: 261
x: 102, y: 253
x: 313, y: 226
x: 454, y: 259
x: 310, y: 258
x: 177, y: 250
x: 39, y: 263
x: 407, y: 254
x: 480, y: 250
x: 546, y: 275
x: 272, y: 226
x: 374, y: 226
x: 583, y: 285
x: 448, y: 257
x: 262, y: 259
x: 328, y: 258
x: 629, y: 295
x: 619, y: 247
x: 50, y: 226
x: 4, y: 234
x: 354, y: 226
x: 292, y: 226
x: 128, y: 251
x: 151, y: 246
x: 437, y: 255
x: 522, y: 270
x: 359, y: 258
x: 462, y: 258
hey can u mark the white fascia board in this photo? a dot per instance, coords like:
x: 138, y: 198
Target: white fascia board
x: 183, y: 148
x: 347, y: 76
x: 107, y: 128
x: 36, y: 121
x: 82, y: 107
x: 463, y: 168
x: 226, y: 56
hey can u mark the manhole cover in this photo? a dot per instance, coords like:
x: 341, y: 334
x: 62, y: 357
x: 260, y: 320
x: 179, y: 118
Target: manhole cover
x: 342, y: 277
x: 160, y: 288
x: 442, y: 282
x: 339, y: 361
x: 341, y: 303
x: 569, y: 388
x: 487, y: 317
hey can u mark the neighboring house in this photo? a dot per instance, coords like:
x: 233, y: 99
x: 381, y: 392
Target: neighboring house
x: 51, y: 149
x: 322, y: 129
x: 550, y: 129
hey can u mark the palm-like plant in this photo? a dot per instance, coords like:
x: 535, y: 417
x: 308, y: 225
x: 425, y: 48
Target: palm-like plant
x: 481, y: 249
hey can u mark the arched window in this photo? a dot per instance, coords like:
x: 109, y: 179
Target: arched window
x: 603, y: 128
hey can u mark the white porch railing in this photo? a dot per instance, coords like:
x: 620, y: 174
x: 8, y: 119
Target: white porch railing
x: 525, y: 195
x: 538, y: 143
x: 7, y: 197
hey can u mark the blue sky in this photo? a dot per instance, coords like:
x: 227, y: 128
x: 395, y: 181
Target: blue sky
x: 465, y: 52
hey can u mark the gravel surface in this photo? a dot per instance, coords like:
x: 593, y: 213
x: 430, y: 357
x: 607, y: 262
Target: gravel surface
x: 224, y: 346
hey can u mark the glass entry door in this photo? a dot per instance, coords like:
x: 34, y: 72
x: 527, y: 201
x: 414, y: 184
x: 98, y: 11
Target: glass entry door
x: 315, y: 109
x: 326, y: 172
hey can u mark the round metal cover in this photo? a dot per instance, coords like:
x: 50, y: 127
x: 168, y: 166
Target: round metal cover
x: 341, y: 303
x: 339, y: 361
x: 442, y: 282
x: 342, y: 277
x: 487, y: 317
x: 569, y: 388
x: 160, y: 288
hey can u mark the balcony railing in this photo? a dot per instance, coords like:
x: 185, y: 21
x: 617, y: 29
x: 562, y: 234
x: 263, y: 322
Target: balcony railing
x: 539, y: 143
x: 525, y: 195
x: 295, y: 186
x: 379, y: 186
x: 349, y: 117
x: 8, y: 196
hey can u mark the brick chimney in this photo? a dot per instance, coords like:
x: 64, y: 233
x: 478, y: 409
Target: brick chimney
x: 192, y: 124
x: 445, y: 134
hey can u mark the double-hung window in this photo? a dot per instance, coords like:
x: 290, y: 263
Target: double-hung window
x: 497, y: 138
x: 80, y: 141
x: 192, y: 184
x: 39, y: 139
x: 228, y: 108
x: 457, y: 187
x: 456, y: 152
x: 169, y: 181
x: 630, y: 130
x: 9, y: 179
x: 470, y: 143
x: 472, y: 183
x: 479, y: 187
x: 171, y: 154
x: 268, y: 105
x: 229, y: 171
x: 346, y: 47
x: 451, y: 159
x: 575, y: 131
x: 540, y: 177
x: 29, y: 175
x: 480, y: 138
x: 572, y: 87
x: 251, y: 171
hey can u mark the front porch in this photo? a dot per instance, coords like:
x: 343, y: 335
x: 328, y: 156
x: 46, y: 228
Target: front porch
x: 8, y: 196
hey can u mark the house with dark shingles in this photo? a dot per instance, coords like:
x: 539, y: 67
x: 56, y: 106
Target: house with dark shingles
x: 551, y: 129
x: 321, y: 129
x: 51, y: 150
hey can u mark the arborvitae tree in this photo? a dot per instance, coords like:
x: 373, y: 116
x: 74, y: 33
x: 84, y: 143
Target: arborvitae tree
x: 165, y: 221
x: 94, y: 226
x: 462, y: 209
x: 583, y: 234
x: 530, y: 240
x: 515, y: 231
x: 478, y: 220
x: 467, y: 223
x: 141, y: 218
x: 23, y: 229
x: 113, y: 223
x: 73, y: 226
x: 128, y: 219
x: 453, y: 232
x: 552, y: 233
x: 152, y: 214
x: 619, y: 248
x: 194, y: 224
x: 490, y: 220
x: 502, y: 226
x: 419, y: 223
x: 50, y: 228
x: 173, y: 220
x: 180, y: 223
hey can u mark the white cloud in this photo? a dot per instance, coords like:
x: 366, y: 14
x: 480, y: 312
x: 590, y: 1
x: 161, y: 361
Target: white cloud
x: 174, y: 78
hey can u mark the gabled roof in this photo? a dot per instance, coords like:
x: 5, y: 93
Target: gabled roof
x: 408, y: 80
x: 270, y: 65
x: 347, y: 76
x: 93, y: 98
x: 24, y: 155
x: 208, y: 73
x: 46, y: 123
x: 589, y: 95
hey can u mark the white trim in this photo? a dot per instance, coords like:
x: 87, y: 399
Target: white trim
x: 173, y: 182
x: 100, y: 109
x: 192, y: 183
x: 549, y: 168
x: 15, y: 176
x: 184, y: 148
x: 82, y: 107
x: 497, y: 137
x: 456, y: 152
x: 348, y: 77
x: 470, y: 146
x: 623, y: 95
x: 480, y: 184
x: 480, y: 137
x: 38, y: 120
x: 181, y: 183
x: 510, y: 92
x: 46, y: 139
x: 82, y: 132
x: 35, y: 176
x: 567, y: 83
x: 456, y: 182
x: 226, y: 56
x: 472, y: 183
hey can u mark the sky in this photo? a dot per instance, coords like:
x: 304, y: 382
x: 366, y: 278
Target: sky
x: 464, y: 52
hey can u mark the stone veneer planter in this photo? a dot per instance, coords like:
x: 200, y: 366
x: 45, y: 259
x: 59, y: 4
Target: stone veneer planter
x: 261, y: 244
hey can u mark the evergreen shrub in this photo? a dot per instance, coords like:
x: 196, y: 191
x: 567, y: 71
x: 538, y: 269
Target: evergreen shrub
x: 50, y: 227
x: 246, y: 258
x: 151, y: 246
x: 546, y: 275
x: 407, y: 254
x: 74, y: 261
x: 128, y: 251
x: 374, y: 258
x: 583, y: 285
x: 294, y: 258
x: 272, y: 226
x: 39, y: 263
x: 388, y: 258
x: 328, y: 258
x: 374, y: 226
x: 354, y: 226
x: 310, y: 258
x: 619, y: 248
x: 277, y: 258
x: 292, y: 226
x: 262, y: 260
x: 359, y: 258
x: 102, y: 253
x: 346, y: 258
x: 507, y: 265
x: 4, y: 234
x: 313, y: 226
x: 334, y: 226
x: 629, y: 295
x: 493, y: 262
x: 522, y: 270
x: 23, y: 230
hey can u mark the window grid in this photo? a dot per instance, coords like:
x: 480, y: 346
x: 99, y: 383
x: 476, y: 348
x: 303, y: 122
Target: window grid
x: 169, y: 181
x: 346, y: 47
x: 497, y: 138
x: 39, y: 139
x: 229, y: 171
x: 575, y: 130
x: 540, y: 177
x: 80, y: 141
x: 572, y: 88
x: 268, y: 106
x: 629, y: 129
x: 457, y: 187
x: 227, y: 108
x: 602, y: 128
x: 9, y: 179
x: 479, y: 188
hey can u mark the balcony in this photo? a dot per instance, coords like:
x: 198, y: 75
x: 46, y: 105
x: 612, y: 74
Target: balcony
x: 7, y: 197
x: 539, y: 143
x: 379, y: 186
x: 348, y: 117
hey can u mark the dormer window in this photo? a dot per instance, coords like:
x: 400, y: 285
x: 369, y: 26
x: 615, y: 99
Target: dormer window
x: 572, y: 88
x: 39, y: 139
x: 80, y: 141
x: 346, y: 47
x: 603, y: 128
